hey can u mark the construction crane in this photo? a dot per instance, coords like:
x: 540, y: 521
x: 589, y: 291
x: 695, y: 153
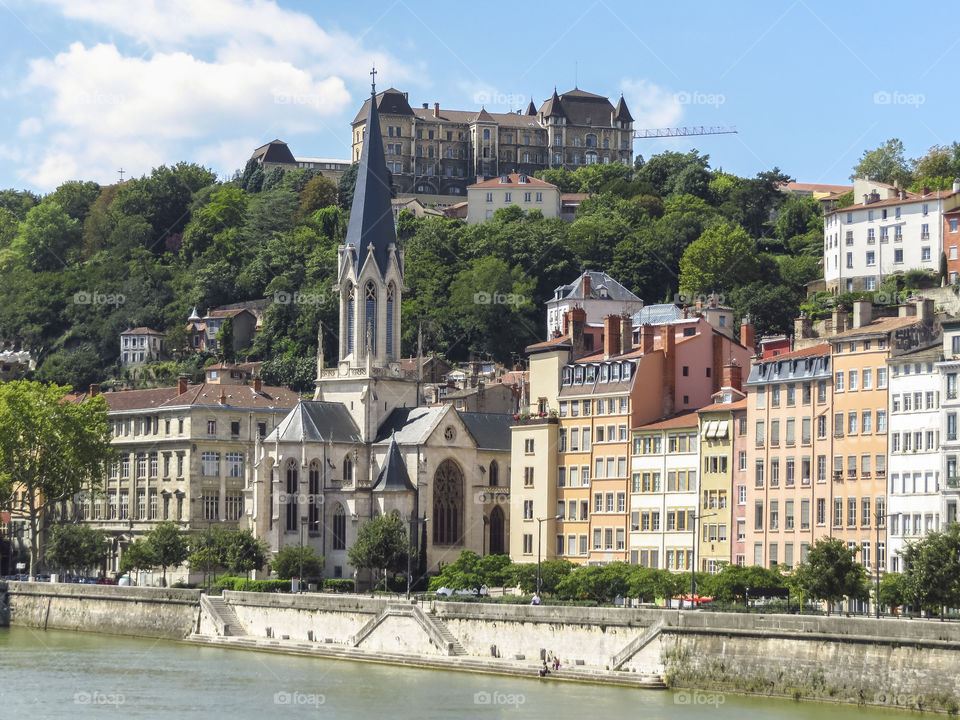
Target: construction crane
x: 684, y: 131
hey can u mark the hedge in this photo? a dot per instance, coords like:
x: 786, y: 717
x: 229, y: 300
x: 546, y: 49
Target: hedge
x: 244, y: 585
x: 338, y: 585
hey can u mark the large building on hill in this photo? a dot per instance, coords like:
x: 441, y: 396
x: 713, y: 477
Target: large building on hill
x: 367, y: 445
x: 436, y: 151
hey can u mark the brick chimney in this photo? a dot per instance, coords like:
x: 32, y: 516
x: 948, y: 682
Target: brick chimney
x: 94, y: 389
x: 646, y: 339
x: 181, y: 385
x: 257, y: 385
x: 611, y: 336
x: 577, y: 324
x: 668, y: 343
x: 839, y: 319
x: 586, y: 285
x: 626, y: 334
x: 732, y: 375
x: 862, y: 313
x: 747, y: 338
x: 223, y: 396
x: 436, y: 109
x: 802, y: 327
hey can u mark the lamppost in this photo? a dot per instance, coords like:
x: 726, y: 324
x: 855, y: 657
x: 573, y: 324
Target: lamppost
x: 878, y: 516
x: 693, y: 565
x: 540, y: 522
x: 414, y: 525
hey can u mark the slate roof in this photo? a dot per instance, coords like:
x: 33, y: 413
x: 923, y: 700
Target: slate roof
x: 598, y: 282
x: 623, y: 114
x: 141, y: 331
x: 657, y: 315
x: 811, y: 363
x: 579, y: 107
x: 393, y: 475
x: 275, y: 151
x: 411, y: 426
x: 390, y: 102
x: 491, y: 431
x: 316, y: 421
x: 371, y: 215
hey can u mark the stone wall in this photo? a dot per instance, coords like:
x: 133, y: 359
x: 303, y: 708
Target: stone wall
x: 328, y: 617
x: 145, y: 612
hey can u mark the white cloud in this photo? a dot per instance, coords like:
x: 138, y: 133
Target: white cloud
x: 651, y: 105
x: 29, y: 126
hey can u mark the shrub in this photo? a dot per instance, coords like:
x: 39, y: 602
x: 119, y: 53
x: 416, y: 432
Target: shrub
x: 340, y: 585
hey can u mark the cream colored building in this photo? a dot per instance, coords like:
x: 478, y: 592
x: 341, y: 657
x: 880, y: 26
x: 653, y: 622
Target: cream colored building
x: 524, y: 191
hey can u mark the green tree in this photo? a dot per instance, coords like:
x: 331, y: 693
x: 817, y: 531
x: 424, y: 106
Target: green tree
x: 931, y: 578
x: 600, y: 583
x: 832, y: 573
x: 733, y: 582
x: 381, y: 545
x: 225, y: 341
x: 137, y: 556
x: 893, y: 589
x: 346, y: 185
x: 288, y: 561
x: 318, y: 193
x: 50, y: 450
x: 552, y: 573
x: 885, y: 164
x: 48, y: 239
x: 168, y: 545
x: 471, y: 571
x: 244, y: 552
x: 75, y: 198
x: 648, y: 584
x: 722, y: 257
x: 75, y: 547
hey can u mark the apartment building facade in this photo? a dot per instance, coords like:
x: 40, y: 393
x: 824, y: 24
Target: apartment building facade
x: 889, y: 230
x: 949, y: 371
x: 788, y: 492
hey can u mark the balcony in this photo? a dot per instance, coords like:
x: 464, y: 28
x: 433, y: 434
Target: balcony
x: 838, y: 476
x: 953, y: 483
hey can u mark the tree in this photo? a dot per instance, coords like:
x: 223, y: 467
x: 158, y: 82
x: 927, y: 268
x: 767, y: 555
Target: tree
x: 648, y: 584
x: 318, y: 193
x: 733, y: 582
x: 346, y: 185
x: 225, y: 341
x: 885, y: 164
x: 287, y: 562
x: 893, y: 589
x: 244, y: 552
x: 382, y: 545
x: 50, y: 450
x: 931, y: 578
x: 48, y: 239
x: 138, y: 556
x: 471, y: 571
x: 75, y: 547
x: 552, y: 573
x: 600, y: 583
x: 832, y: 573
x: 722, y: 257
x: 168, y: 545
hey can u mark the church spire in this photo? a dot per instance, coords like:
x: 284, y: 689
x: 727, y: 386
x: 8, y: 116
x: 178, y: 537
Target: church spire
x: 371, y: 215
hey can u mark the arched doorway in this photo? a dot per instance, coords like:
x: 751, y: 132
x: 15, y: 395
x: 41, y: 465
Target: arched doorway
x: 497, y: 525
x: 448, y: 504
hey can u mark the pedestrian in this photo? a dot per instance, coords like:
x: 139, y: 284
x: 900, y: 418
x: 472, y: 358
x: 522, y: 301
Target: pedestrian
x: 536, y: 599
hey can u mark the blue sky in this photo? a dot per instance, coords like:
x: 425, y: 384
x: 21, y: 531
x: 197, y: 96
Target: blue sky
x: 90, y: 86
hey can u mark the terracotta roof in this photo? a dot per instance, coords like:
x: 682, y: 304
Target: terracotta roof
x: 813, y: 350
x: 883, y: 325
x: 815, y: 187
x: 223, y: 366
x: 740, y: 404
x: 689, y: 419
x: 141, y: 331
x: 235, y: 396
x: 549, y: 344
x: 514, y: 179
x: 135, y: 399
x: 911, y: 198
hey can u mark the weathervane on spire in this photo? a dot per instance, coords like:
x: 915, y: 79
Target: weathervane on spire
x: 373, y: 80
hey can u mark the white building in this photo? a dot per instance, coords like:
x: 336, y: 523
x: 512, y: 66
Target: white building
x: 525, y: 191
x: 597, y: 293
x: 664, y: 493
x: 914, y: 459
x: 887, y: 231
x: 141, y: 345
x: 950, y: 409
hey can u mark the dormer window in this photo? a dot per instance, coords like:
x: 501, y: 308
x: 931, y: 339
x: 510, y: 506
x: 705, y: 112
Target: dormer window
x: 578, y: 375
x: 566, y: 376
x: 604, y: 373
x: 522, y: 179
x: 504, y: 179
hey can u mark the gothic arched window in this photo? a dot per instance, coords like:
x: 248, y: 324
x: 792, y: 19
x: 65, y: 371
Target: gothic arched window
x: 448, y: 504
x: 347, y: 470
x: 339, y: 528
x: 315, y: 499
x: 370, y: 316
x: 494, y: 473
x: 351, y: 314
x: 391, y: 296
x: 293, y: 490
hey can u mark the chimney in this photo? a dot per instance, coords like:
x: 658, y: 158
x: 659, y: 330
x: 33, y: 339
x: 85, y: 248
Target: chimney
x: 586, y: 285
x: 578, y: 322
x: 436, y: 109
x: 839, y: 319
x: 94, y: 389
x: 406, y: 96
x: 646, y: 339
x: 426, y: 105
x: 668, y: 342
x: 181, y: 385
x: 257, y: 385
x: 907, y: 309
x: 862, y: 313
x: 747, y: 338
x: 732, y: 375
x: 925, y: 310
x: 866, y: 199
x: 802, y: 327
x: 956, y: 184
x: 611, y: 336
x: 479, y: 178
x: 223, y: 396
x: 626, y: 334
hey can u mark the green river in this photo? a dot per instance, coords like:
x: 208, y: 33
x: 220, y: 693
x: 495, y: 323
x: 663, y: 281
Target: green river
x: 57, y: 674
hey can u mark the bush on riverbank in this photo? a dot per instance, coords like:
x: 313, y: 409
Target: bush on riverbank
x: 338, y: 585
x: 238, y: 584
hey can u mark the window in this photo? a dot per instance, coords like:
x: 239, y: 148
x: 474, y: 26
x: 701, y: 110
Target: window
x: 210, y: 464
x: 234, y: 464
x: 528, y: 509
x: 211, y: 427
x: 528, y: 544
x: 528, y: 477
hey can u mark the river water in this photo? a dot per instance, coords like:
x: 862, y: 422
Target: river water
x: 57, y: 674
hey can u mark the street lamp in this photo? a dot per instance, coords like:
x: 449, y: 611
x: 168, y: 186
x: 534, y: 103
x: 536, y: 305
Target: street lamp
x: 540, y: 522
x: 878, y: 516
x: 693, y: 565
x: 414, y: 524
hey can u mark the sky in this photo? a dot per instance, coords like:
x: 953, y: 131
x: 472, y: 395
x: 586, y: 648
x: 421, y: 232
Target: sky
x: 88, y: 87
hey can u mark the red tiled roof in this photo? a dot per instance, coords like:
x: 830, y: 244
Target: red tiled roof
x: 911, y: 198
x: 549, y: 344
x: 740, y: 404
x: 141, y: 331
x: 813, y: 350
x: 883, y: 325
x: 687, y: 419
x: 235, y: 395
x: 225, y: 313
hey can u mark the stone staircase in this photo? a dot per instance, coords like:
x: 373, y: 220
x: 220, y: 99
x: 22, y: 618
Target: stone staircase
x: 438, y: 633
x: 636, y: 645
x: 222, y: 615
x: 454, y: 648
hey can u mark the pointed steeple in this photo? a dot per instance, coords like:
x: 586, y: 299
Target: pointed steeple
x: 371, y: 215
x: 553, y: 106
x: 531, y: 110
x: 393, y: 475
x: 622, y: 113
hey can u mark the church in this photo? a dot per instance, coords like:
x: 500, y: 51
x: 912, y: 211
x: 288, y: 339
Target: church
x: 367, y: 444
